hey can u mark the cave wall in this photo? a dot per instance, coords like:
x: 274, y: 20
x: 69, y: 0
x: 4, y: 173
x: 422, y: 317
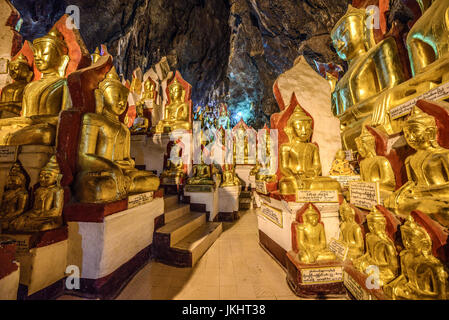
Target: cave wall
x: 229, y: 50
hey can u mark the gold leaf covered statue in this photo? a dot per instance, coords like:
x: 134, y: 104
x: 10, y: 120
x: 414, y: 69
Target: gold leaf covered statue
x: 427, y: 189
x: 12, y: 94
x: 380, y: 250
x: 423, y: 277
x: 46, y: 213
x: 141, y: 123
x: 230, y: 178
x: 350, y: 232
x: 300, y: 159
x: 44, y: 99
x: 15, y: 198
x: 175, y: 169
x: 263, y: 170
x: 176, y: 113
x: 106, y: 171
x: 201, y: 174
x: 241, y: 151
x: 148, y: 91
x: 311, y: 239
x: 341, y: 166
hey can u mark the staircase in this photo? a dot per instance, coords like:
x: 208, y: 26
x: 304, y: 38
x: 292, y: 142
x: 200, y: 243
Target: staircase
x: 245, y: 200
x: 186, y: 235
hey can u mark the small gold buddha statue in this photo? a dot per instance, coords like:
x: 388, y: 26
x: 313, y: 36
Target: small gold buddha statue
x: 43, y: 99
x: 15, y: 198
x: 350, y: 232
x: 201, y: 174
x: 176, y: 113
x: 12, y: 94
x: 148, y: 90
x: 141, y: 123
x: 241, y: 151
x: 264, y: 172
x: 374, y: 168
x: 423, y: 277
x: 300, y: 161
x: 174, y: 169
x: 341, y: 166
x: 46, y: 213
x: 105, y: 168
x: 380, y: 250
x: 230, y: 178
x: 427, y: 188
x: 312, y: 246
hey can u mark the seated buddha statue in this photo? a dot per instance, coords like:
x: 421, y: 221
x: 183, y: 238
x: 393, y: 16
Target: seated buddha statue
x: 341, y: 166
x: 423, y: 277
x: 374, y: 168
x: 380, y: 250
x: 141, y: 123
x: 312, y: 246
x: 176, y: 113
x: 12, y: 94
x: 174, y: 169
x: 46, y: 213
x: 15, y: 198
x: 43, y: 99
x: 230, y: 178
x: 266, y: 171
x: 148, y: 91
x: 427, y: 188
x: 372, y: 69
x: 105, y: 169
x: 201, y: 174
x: 350, y: 232
x: 300, y: 159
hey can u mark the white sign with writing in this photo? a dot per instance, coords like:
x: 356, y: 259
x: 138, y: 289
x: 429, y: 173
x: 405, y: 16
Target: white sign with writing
x: 349, y: 155
x: 317, y: 196
x: 344, y: 180
x: 8, y: 153
x: 356, y: 289
x: 339, y: 249
x: 364, y: 195
x: 261, y: 187
x: 321, y: 275
x: 272, y: 214
x: 140, y: 199
x: 434, y: 94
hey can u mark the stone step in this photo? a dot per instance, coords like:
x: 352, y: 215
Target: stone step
x: 198, y: 242
x: 246, y: 194
x: 176, y: 211
x: 170, y: 201
x: 181, y: 227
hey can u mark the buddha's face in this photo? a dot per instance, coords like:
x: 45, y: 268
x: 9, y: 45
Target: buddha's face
x: 418, y: 136
x: 115, y: 99
x: 420, y: 243
x: 346, y: 213
x: 366, y: 146
x: 377, y: 226
x: 176, y: 93
x: 139, y: 111
x: 340, y: 155
x: 47, y: 178
x: 303, y: 129
x: 311, y: 217
x: 348, y: 37
x: 46, y: 57
x: 14, y: 181
x: 18, y: 71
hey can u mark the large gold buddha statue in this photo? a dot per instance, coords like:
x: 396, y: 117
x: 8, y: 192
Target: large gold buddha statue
x: 300, y: 159
x: 46, y: 213
x: 312, y: 246
x: 351, y: 232
x: 106, y: 171
x: 380, y: 250
x: 177, y: 112
x: 427, y: 189
x: 423, y: 277
x: 44, y: 99
x: 12, y: 94
x: 372, y: 69
x: 15, y: 198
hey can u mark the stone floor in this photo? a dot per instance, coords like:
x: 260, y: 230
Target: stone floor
x: 234, y: 268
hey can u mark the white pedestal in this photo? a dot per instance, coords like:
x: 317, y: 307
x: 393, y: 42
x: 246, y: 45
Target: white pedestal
x: 243, y: 170
x: 99, y: 249
x: 210, y: 199
x: 228, y: 199
x: 9, y: 286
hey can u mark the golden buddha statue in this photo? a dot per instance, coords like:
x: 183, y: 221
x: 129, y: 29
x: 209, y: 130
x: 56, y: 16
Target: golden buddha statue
x: 201, y: 174
x: 380, y: 250
x: 264, y: 172
x: 176, y: 113
x: 341, y: 166
x: 350, y: 232
x: 427, y: 189
x: 141, y: 123
x: 300, y: 159
x: 230, y: 178
x: 241, y: 151
x: 372, y: 69
x: 423, y: 277
x: 374, y: 168
x: 148, y: 90
x: 174, y: 169
x: 312, y: 246
x: 12, y: 94
x: 106, y: 171
x: 15, y: 198
x: 46, y: 213
x: 44, y: 99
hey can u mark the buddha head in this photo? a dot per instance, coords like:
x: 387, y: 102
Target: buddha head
x: 366, y: 144
x: 50, y: 53
x: 50, y: 174
x: 300, y: 124
x: 341, y: 155
x: 114, y: 93
x: 311, y: 216
x: 415, y: 237
x: 376, y: 222
x: 420, y: 130
x: 347, y: 213
x: 19, y: 70
x: 16, y: 178
x: 348, y: 36
x: 176, y: 91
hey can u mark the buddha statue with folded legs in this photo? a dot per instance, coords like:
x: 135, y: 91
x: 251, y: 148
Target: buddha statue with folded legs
x: 175, y: 168
x: 201, y: 174
x: 341, y: 166
x: 106, y: 171
x: 230, y: 178
x: 141, y: 123
x: 265, y: 171
x: 300, y: 162
x: 43, y: 99
x: 351, y: 232
x: 427, y: 188
x: 12, y: 94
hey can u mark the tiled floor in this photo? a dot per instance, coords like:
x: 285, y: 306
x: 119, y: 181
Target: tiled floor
x: 234, y: 268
